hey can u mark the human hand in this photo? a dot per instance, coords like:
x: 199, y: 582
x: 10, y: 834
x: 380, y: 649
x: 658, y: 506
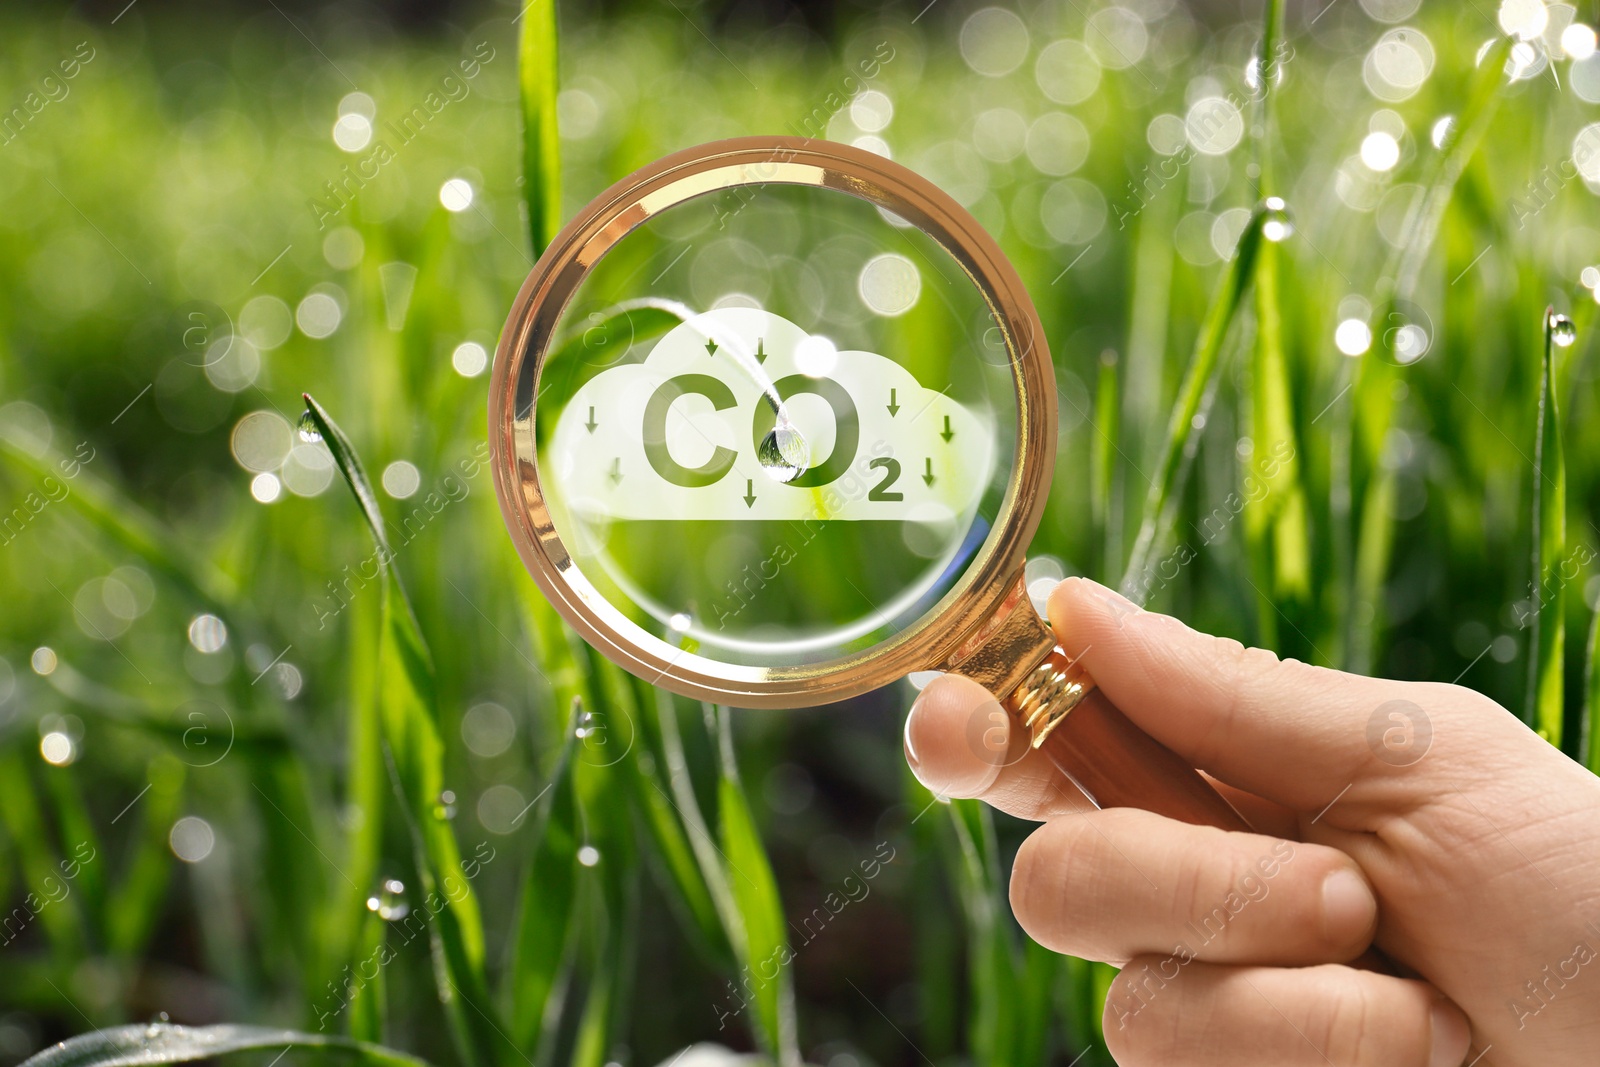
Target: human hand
x: 1418, y: 817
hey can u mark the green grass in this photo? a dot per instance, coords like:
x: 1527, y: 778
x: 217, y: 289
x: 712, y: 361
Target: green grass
x: 617, y: 879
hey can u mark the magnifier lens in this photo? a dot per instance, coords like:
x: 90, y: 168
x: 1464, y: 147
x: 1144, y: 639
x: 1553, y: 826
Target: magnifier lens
x: 774, y: 425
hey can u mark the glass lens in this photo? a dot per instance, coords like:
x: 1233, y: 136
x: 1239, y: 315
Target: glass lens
x: 774, y: 425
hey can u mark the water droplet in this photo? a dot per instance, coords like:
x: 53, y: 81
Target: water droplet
x: 1443, y: 131
x: 783, y: 452
x: 388, y: 903
x: 308, y: 429
x: 588, y: 855
x: 445, y: 809
x: 1562, y: 331
x: 1277, y: 224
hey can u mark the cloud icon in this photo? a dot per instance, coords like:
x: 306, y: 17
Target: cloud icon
x: 738, y: 414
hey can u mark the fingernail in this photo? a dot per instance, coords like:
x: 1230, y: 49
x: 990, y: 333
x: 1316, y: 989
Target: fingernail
x: 911, y: 750
x: 1347, y: 905
x: 1451, y: 1036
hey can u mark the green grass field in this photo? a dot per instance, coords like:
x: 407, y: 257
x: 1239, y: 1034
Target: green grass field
x: 278, y: 754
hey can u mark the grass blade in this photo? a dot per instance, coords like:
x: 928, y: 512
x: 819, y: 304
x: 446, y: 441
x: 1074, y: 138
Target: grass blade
x: 991, y: 967
x: 368, y: 1006
x: 761, y: 938
x: 1197, y: 382
x: 1421, y: 227
x: 687, y: 805
x: 345, y: 914
x: 1547, y: 633
x: 1102, y: 462
x: 611, y: 892
x: 544, y: 931
x: 1589, y: 753
x: 140, y: 1045
x: 1275, y: 520
x: 416, y: 759
x: 140, y: 894
x: 41, y: 870
x: 124, y: 523
x: 938, y: 963
x: 76, y: 833
x: 670, y: 836
x: 539, y: 83
x: 1360, y: 479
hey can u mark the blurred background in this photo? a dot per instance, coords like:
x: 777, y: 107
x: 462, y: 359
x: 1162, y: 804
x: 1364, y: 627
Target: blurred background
x: 231, y: 769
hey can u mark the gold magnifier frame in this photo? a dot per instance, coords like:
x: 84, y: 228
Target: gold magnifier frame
x: 984, y: 626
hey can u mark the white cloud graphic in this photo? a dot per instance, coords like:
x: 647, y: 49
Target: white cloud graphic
x: 739, y: 414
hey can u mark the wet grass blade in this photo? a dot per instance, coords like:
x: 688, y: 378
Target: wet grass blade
x: 610, y: 888
x: 123, y: 522
x: 365, y: 783
x: 140, y: 892
x: 1080, y: 1005
x: 670, y: 836
x: 686, y: 804
x: 1363, y: 490
x: 368, y: 1012
x: 545, y: 927
x: 538, y: 82
x: 141, y: 1045
x: 77, y: 835
x: 1547, y: 633
x: 1197, y: 382
x: 1102, y: 461
x: 760, y: 938
x: 41, y: 868
x: 1275, y: 524
x: 992, y: 977
x: 938, y: 963
x: 416, y: 761
x: 1421, y: 227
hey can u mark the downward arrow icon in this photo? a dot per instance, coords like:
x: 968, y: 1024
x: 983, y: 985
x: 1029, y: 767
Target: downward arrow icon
x: 616, y: 470
x: 749, y: 493
x: 927, y: 476
x: 948, y: 432
x: 894, y: 408
x: 591, y: 424
x: 711, y: 348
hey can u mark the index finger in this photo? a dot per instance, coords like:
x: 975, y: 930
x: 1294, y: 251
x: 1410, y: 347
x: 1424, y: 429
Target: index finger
x: 1281, y: 729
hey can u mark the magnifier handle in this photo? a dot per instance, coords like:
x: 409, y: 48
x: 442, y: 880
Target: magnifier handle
x: 1118, y: 765
x: 1115, y: 764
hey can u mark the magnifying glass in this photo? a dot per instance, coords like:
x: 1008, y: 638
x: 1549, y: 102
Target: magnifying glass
x: 773, y: 423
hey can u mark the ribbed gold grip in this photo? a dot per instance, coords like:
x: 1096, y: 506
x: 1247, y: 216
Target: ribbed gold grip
x: 1045, y: 697
x: 1097, y: 748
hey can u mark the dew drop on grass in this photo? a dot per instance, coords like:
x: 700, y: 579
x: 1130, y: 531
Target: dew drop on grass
x: 445, y: 808
x: 387, y: 903
x: 1277, y: 224
x: 1562, y: 331
x: 588, y: 855
x: 308, y: 429
x: 783, y: 452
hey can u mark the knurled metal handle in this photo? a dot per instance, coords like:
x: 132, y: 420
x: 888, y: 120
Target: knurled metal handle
x: 1092, y: 743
